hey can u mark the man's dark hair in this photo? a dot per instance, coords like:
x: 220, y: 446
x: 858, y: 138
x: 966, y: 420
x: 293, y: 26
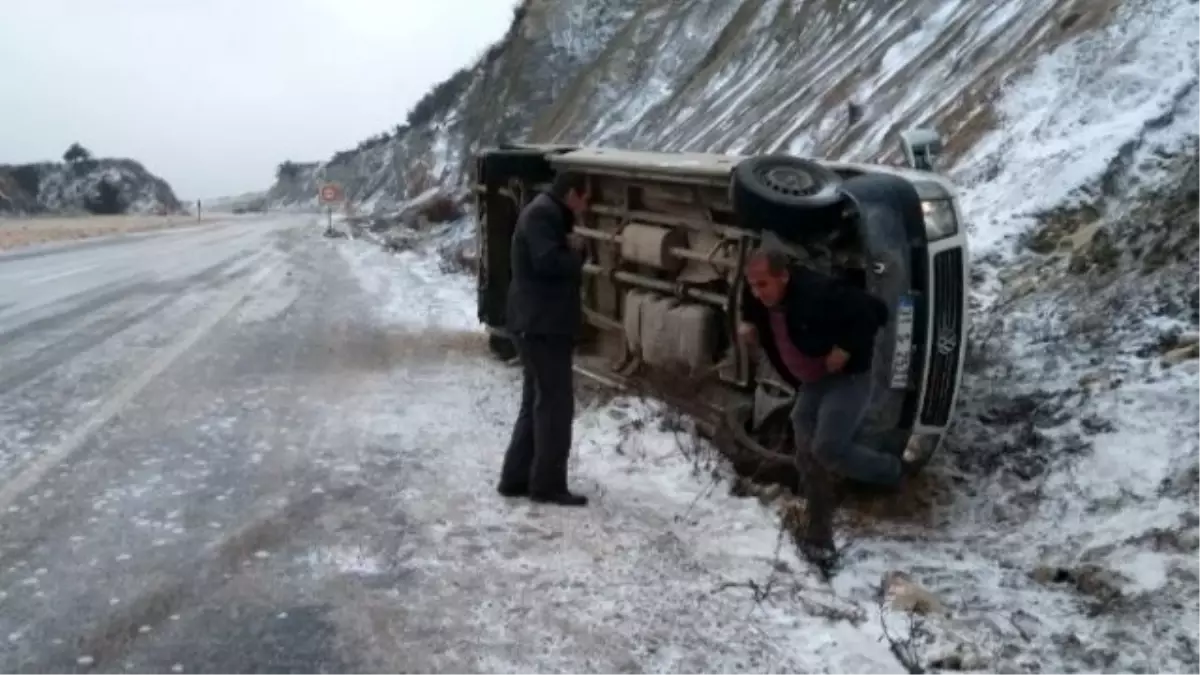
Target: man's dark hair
x: 566, y: 181
x: 777, y: 261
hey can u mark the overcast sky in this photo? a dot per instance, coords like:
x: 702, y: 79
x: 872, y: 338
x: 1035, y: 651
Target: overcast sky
x: 213, y: 94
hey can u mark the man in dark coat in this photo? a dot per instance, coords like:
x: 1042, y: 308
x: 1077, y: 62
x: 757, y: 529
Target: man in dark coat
x: 819, y: 334
x: 544, y: 312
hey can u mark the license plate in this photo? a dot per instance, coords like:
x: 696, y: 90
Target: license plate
x: 902, y: 353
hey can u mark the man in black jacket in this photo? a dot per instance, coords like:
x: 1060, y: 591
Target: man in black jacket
x: 543, y: 315
x: 819, y: 334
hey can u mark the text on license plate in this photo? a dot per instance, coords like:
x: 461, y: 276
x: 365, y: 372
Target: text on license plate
x: 902, y: 354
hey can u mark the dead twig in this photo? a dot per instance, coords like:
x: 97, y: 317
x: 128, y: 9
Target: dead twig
x: 706, y: 492
x: 907, y: 650
x: 760, y: 592
x: 773, y: 589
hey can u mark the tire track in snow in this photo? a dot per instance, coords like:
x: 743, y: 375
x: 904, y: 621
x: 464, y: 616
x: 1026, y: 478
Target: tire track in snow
x: 76, y: 344
x: 81, y: 341
x: 126, y: 392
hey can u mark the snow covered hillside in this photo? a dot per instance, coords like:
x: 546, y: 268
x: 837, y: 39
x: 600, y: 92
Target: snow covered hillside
x: 722, y: 75
x: 1059, y: 528
x: 60, y: 188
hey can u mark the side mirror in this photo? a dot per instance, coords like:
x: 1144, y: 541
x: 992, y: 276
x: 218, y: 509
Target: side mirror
x: 921, y: 147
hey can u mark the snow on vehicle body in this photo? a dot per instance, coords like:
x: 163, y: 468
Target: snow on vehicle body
x: 669, y: 236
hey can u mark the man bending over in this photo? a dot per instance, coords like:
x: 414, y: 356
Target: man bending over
x: 819, y: 334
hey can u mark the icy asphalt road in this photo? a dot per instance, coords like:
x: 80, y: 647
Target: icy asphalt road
x: 148, y: 435
x: 247, y: 448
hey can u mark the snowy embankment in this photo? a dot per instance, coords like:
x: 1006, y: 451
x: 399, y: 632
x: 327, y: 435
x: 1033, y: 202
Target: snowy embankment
x: 1057, y: 531
x: 1076, y: 451
x: 660, y: 573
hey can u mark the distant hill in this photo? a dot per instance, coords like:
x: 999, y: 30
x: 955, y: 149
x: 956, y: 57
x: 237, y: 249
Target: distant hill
x: 85, y: 185
x: 247, y: 201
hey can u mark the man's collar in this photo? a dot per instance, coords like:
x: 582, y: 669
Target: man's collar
x: 568, y: 214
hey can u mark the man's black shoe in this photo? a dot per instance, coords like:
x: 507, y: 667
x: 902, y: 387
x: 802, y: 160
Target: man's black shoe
x: 512, y: 490
x: 560, y: 498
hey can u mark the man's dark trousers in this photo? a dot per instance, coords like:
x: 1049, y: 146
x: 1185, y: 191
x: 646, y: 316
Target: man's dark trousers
x: 541, y: 438
x: 826, y: 418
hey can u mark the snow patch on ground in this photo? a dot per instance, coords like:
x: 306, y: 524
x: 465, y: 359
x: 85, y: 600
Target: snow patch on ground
x: 441, y: 301
x: 665, y: 539
x: 658, y: 565
x: 665, y: 560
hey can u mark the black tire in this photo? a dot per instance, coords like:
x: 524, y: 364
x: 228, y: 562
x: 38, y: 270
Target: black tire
x: 765, y: 455
x: 795, y: 198
x: 772, y: 447
x: 501, y: 347
x: 775, y: 433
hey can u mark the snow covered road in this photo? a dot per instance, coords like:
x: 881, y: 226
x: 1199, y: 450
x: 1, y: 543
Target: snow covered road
x: 245, y: 448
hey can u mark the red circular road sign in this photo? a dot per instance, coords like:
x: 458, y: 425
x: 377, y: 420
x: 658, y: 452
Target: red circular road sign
x: 331, y: 192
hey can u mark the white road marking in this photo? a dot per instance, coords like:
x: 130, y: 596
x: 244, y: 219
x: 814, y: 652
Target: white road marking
x: 58, y: 275
x: 124, y: 393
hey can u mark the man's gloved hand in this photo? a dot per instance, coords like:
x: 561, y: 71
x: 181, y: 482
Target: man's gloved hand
x: 836, y: 359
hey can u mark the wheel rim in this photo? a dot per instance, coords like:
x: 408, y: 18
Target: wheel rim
x: 789, y: 180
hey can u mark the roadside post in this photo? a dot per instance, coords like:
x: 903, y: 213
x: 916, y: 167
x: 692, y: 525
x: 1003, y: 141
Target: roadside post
x: 330, y: 194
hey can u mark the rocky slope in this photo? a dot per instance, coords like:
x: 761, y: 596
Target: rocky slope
x: 79, y: 186
x: 1060, y: 525
x: 744, y: 76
